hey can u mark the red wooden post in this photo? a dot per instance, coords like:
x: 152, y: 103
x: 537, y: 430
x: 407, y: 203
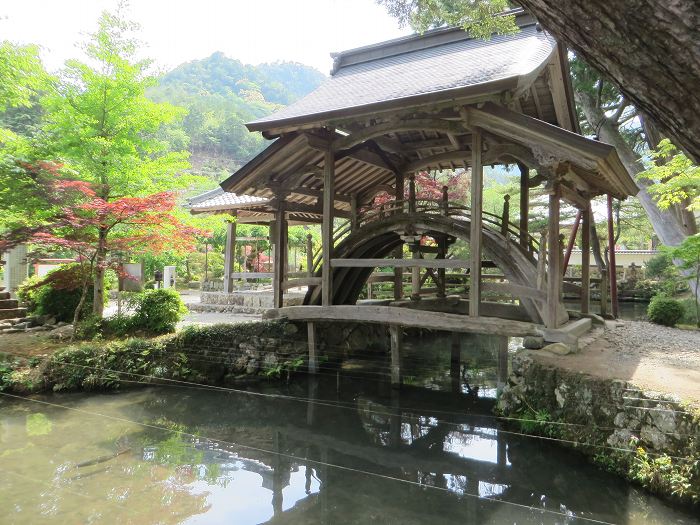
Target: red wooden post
x: 572, y: 241
x: 611, y: 255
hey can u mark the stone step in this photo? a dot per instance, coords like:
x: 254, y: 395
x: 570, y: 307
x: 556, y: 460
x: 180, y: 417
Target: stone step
x: 6, y: 304
x: 12, y: 313
x: 4, y: 295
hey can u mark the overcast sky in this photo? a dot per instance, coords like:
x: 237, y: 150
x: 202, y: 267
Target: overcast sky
x: 176, y: 31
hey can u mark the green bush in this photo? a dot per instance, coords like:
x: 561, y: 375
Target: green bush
x: 658, y: 265
x: 57, y: 294
x: 665, y: 311
x: 158, y: 311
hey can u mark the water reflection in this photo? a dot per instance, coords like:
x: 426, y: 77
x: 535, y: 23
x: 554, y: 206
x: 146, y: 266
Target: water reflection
x: 363, y: 452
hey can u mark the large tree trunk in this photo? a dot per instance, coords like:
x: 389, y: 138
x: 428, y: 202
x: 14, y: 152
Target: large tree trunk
x: 649, y: 48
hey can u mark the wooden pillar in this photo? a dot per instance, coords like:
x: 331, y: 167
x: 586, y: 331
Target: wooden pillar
x: 441, y: 254
x: 327, y: 226
x: 455, y: 361
x: 354, y: 218
x: 445, y: 201
x: 505, y: 219
x: 553, y: 258
x: 396, y: 335
x: 398, y: 253
x: 586, y: 260
x: 229, y: 256
x: 603, y: 292
x: 279, y: 235
x: 615, y: 310
x: 475, y: 231
x: 411, y: 194
x: 309, y: 255
x: 415, y: 271
x: 572, y: 241
x: 524, y: 204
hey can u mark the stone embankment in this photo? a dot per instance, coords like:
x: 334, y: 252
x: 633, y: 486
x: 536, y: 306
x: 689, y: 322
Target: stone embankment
x: 650, y: 438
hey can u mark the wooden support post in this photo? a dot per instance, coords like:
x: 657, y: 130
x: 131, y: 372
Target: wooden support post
x: 505, y: 220
x: 313, y: 358
x: 586, y: 260
x: 398, y: 253
x: 524, y: 204
x: 396, y: 335
x: 441, y: 254
x: 353, y: 212
x: 554, y: 277
x: 280, y: 255
x: 327, y: 227
x: 572, y: 241
x: 411, y: 194
x: 455, y: 361
x: 542, y: 262
x: 415, y: 272
x: 309, y: 255
x: 614, y: 306
x: 475, y: 231
x: 229, y: 256
x: 445, y: 202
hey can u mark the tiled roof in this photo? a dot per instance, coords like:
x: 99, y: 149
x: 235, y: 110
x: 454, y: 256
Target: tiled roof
x: 435, y: 65
x: 220, y: 200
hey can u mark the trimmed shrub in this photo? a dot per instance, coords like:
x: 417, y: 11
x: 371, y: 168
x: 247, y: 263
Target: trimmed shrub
x: 657, y: 266
x: 158, y: 311
x: 665, y: 311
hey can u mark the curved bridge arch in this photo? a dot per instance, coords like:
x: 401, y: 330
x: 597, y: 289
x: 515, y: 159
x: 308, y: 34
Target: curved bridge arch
x: 378, y: 239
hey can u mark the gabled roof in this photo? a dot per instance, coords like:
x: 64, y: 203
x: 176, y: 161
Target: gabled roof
x: 440, y: 65
x: 217, y: 200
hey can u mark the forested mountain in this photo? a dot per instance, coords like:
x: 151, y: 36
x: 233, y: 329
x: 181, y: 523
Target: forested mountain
x: 221, y: 94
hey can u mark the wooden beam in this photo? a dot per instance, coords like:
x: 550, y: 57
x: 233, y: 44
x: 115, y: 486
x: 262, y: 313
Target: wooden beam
x: 300, y: 281
x: 400, y: 263
x: 536, y: 100
x: 573, y: 197
x: 280, y: 255
x: 515, y: 290
x: 524, y: 222
x: 476, y: 225
x: 327, y: 226
x: 572, y: 241
x: 553, y: 259
x: 407, y: 317
x: 426, y: 124
x: 435, y: 160
x: 586, y: 261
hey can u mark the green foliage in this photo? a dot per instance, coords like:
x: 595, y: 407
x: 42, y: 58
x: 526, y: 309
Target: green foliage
x: 21, y: 75
x: 665, y: 311
x: 478, y: 17
x: 212, y: 335
x: 675, y: 179
x: 57, y: 294
x: 666, y: 475
x: 658, y: 265
x: 158, y: 311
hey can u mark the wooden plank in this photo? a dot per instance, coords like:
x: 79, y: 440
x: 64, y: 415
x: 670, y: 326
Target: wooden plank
x: 515, y: 290
x: 400, y: 263
x: 327, y: 226
x: 279, y: 256
x: 476, y: 225
x: 586, y: 261
x: 302, y: 281
x: 553, y: 259
x: 407, y: 317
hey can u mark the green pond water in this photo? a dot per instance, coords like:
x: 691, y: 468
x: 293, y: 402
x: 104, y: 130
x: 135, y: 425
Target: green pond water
x: 341, y: 449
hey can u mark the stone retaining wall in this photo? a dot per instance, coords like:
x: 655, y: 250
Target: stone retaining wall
x: 243, y: 301
x: 620, y: 426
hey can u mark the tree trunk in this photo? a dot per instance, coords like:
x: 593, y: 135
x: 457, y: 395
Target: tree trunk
x: 98, y: 304
x: 650, y: 49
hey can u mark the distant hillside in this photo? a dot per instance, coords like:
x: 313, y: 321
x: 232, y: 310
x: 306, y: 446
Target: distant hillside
x: 221, y: 94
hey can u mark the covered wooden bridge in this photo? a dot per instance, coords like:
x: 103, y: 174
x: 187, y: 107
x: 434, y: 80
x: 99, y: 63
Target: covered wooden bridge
x: 440, y: 101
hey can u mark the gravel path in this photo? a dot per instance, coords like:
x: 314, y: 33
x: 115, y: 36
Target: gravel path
x: 650, y: 356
